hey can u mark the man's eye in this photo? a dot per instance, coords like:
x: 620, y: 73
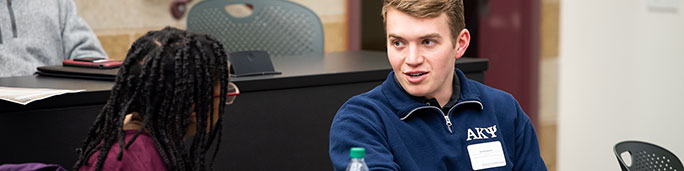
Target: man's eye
x: 397, y: 43
x: 428, y: 42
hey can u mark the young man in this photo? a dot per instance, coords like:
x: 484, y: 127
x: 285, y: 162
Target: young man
x: 427, y: 115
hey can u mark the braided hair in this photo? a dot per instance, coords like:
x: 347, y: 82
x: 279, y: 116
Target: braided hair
x: 166, y: 76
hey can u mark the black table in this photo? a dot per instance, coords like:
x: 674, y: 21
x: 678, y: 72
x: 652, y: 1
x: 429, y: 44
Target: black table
x: 278, y: 121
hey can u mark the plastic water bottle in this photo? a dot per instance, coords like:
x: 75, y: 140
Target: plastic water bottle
x: 357, y: 163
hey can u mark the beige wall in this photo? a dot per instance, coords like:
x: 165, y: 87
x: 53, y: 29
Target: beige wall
x: 548, y: 82
x: 118, y: 23
x: 549, y: 29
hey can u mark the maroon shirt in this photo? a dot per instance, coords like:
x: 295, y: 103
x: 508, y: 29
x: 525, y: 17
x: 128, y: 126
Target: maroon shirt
x: 141, y: 155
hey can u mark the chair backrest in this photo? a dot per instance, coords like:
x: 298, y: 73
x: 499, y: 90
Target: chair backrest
x: 282, y: 28
x: 646, y: 156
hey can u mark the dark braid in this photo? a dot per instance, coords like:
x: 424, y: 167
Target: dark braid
x: 167, y: 76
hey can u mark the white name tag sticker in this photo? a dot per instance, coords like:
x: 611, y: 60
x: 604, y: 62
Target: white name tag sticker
x: 486, y: 155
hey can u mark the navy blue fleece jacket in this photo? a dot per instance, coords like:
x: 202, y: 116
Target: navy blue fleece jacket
x: 400, y: 133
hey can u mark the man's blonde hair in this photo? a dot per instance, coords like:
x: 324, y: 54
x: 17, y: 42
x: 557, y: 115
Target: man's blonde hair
x: 430, y: 9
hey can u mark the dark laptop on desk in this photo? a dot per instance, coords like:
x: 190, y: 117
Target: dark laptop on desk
x: 78, y: 72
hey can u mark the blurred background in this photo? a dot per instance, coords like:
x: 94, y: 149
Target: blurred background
x: 589, y: 73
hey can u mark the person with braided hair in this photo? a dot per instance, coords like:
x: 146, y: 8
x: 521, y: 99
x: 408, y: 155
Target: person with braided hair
x: 172, y: 85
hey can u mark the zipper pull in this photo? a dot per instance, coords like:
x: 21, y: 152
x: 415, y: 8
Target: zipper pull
x: 448, y: 123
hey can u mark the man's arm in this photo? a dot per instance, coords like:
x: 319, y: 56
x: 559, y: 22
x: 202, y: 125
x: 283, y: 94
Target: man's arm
x: 527, y: 156
x: 355, y: 126
x: 77, y: 37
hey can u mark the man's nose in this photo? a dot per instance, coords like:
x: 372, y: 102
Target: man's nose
x: 414, y: 57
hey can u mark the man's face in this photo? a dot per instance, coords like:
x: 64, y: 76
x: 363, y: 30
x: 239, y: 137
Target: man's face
x: 421, y: 53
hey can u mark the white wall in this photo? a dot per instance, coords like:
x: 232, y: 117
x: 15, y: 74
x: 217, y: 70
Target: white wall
x: 621, y: 78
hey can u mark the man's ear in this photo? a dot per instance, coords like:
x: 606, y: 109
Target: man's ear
x: 462, y: 42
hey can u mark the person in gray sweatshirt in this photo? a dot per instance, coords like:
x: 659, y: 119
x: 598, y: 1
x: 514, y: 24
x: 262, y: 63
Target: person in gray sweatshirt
x: 36, y: 33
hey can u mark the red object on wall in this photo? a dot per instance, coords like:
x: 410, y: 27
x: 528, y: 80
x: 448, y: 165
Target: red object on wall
x: 509, y: 38
x: 178, y: 8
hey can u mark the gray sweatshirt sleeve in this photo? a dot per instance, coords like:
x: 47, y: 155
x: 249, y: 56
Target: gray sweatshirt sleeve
x: 78, y: 39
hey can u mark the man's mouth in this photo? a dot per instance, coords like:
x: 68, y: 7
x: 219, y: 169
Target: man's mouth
x: 417, y: 74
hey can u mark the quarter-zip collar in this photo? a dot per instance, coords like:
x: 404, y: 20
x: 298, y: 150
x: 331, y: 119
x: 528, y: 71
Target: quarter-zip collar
x: 455, y: 94
x: 404, y: 104
x: 12, y: 20
x: 14, y: 23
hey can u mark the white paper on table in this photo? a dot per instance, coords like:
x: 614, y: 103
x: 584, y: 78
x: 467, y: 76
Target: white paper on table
x: 27, y: 95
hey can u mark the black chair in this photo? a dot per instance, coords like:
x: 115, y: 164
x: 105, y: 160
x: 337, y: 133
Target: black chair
x: 646, y: 156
